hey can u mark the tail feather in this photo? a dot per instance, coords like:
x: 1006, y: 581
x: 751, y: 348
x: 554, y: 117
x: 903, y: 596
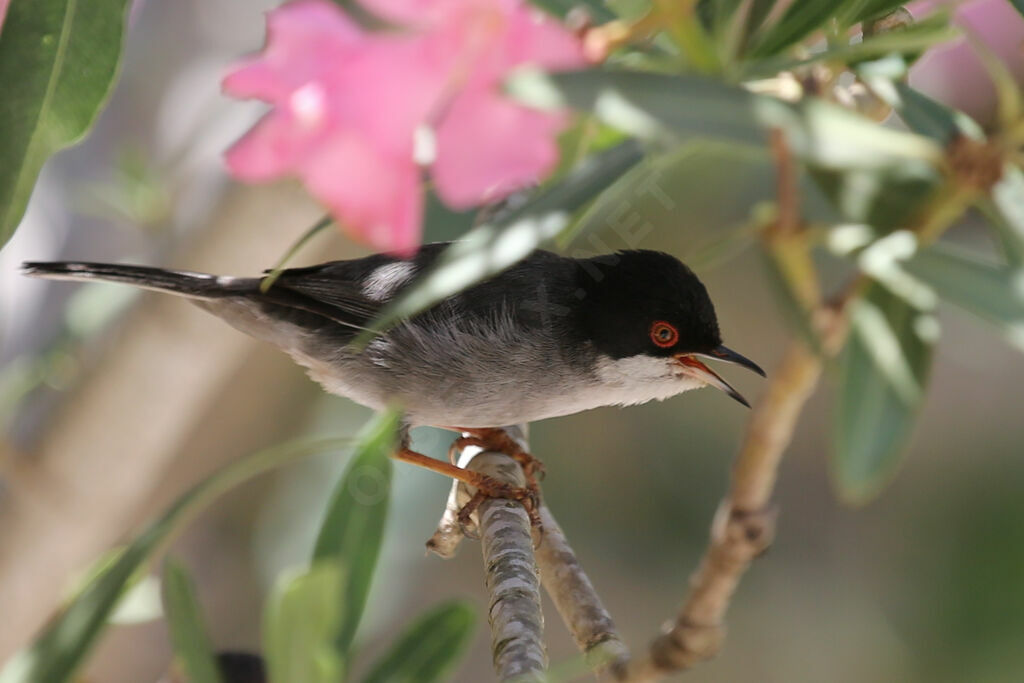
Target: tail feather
x: 195, y: 285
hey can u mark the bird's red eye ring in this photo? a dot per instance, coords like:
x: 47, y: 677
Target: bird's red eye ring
x: 664, y: 334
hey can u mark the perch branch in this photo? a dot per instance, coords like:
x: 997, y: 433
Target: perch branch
x: 577, y: 602
x: 513, y: 584
x: 561, y: 573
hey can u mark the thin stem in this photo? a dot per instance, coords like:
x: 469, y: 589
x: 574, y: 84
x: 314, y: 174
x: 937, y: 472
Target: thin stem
x: 577, y: 602
x: 271, y: 277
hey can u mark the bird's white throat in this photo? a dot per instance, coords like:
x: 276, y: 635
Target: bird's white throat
x: 638, y: 379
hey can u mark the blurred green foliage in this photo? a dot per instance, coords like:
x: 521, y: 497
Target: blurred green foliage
x: 723, y: 93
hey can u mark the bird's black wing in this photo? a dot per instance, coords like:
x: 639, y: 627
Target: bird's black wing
x: 339, y: 290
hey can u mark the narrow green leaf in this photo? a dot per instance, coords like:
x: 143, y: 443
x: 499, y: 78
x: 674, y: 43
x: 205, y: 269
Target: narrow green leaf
x: 776, y: 257
x: 991, y: 292
x: 714, y: 15
x: 358, y: 13
x: 883, y: 371
x: 598, y: 11
x: 353, y: 526
x: 271, y: 275
x: 494, y: 246
x: 649, y: 196
x: 58, y: 63
x: 756, y: 15
x: 62, y: 647
x: 299, y: 624
x: 688, y: 33
x: 1009, y: 100
x: 866, y: 10
x: 796, y: 23
x: 140, y: 597
x: 1019, y: 4
x: 1007, y: 211
x: 185, y: 620
x: 886, y: 198
x: 870, y: 172
x: 429, y: 648
x: 928, y: 117
x: 909, y: 42
x: 650, y: 105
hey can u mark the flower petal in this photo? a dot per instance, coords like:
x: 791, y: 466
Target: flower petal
x: 376, y: 198
x: 534, y: 37
x: 305, y: 41
x: 276, y: 145
x: 390, y: 87
x: 488, y: 147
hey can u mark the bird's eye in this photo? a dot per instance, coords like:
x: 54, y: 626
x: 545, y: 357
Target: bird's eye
x: 664, y: 334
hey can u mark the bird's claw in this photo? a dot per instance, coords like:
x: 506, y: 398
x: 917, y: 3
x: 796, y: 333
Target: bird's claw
x: 492, y: 488
x: 497, y: 440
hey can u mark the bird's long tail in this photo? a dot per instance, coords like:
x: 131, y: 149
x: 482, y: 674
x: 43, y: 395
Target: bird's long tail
x: 182, y: 283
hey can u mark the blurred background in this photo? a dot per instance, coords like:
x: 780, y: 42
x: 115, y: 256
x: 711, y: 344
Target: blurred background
x: 112, y: 403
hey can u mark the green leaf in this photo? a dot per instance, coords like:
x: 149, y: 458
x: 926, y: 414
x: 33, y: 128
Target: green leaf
x: 271, y: 275
x: 61, y: 648
x: 494, y: 246
x: 865, y: 10
x: 1009, y: 102
x: 991, y: 292
x: 1006, y: 211
x: 782, y: 258
x: 870, y: 172
x: 714, y: 15
x: 886, y: 198
x: 669, y: 192
x: 58, y: 63
x: 651, y: 105
x: 926, y: 116
x: 796, y: 23
x: 756, y: 15
x: 353, y: 526
x: 1019, y: 4
x: 909, y: 42
x: 883, y: 371
x: 299, y: 624
x: 185, y: 620
x: 597, y: 10
x: 429, y: 648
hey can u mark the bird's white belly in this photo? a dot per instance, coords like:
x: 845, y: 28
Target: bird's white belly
x: 502, y: 398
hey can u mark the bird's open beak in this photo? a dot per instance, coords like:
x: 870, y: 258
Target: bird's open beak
x: 693, y: 367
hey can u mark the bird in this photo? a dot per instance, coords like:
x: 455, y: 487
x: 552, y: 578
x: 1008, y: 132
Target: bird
x: 549, y: 336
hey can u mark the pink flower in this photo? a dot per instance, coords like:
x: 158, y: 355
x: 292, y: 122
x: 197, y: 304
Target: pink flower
x: 349, y: 106
x: 953, y: 72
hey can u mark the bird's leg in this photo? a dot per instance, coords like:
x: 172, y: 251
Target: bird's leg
x: 498, y: 440
x: 487, y: 487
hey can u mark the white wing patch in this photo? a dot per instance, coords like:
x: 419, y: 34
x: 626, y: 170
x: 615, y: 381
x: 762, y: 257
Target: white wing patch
x: 383, y: 281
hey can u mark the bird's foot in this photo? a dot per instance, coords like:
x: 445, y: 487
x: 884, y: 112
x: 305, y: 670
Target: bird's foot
x: 486, y: 486
x: 498, y: 441
x: 492, y: 488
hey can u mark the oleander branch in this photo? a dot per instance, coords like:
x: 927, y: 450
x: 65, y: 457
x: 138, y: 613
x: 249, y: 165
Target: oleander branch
x: 511, y: 574
x: 742, y: 528
x: 517, y: 647
x: 577, y: 602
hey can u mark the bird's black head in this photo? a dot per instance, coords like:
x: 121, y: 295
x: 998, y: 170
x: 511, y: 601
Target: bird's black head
x: 645, y: 302
x: 648, y: 304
